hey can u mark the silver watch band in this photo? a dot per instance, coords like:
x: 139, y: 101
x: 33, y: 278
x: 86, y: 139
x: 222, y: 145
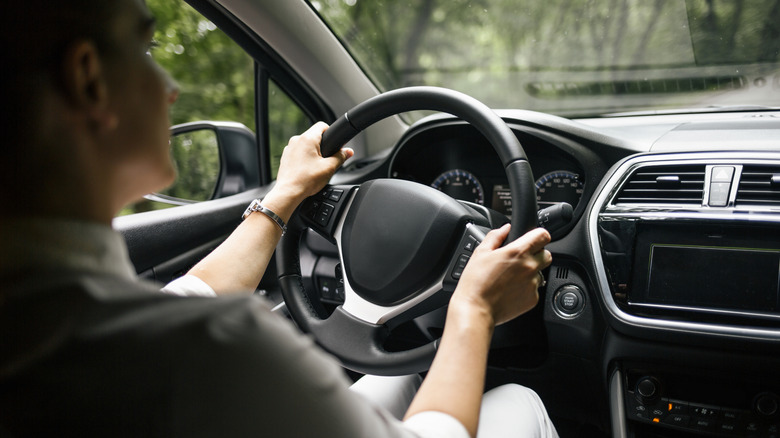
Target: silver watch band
x: 256, y: 206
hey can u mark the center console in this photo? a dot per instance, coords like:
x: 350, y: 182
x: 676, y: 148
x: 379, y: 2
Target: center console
x: 687, y: 253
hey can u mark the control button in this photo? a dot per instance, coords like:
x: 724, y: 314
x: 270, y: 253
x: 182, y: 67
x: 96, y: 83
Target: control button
x: 471, y: 243
x: 751, y: 427
x: 569, y: 301
x: 639, y: 412
x: 324, y: 213
x: 719, y: 194
x: 766, y: 404
x: 340, y: 295
x: 335, y: 195
x: 704, y: 411
x: 676, y: 407
x: 328, y: 288
x: 705, y: 424
x: 678, y: 420
x: 325, y: 193
x: 722, y: 174
x: 728, y: 427
x: 647, y: 389
x: 460, y: 265
x: 730, y: 415
x: 657, y: 412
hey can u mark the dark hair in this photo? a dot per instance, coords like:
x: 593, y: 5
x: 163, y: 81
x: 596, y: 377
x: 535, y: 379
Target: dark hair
x: 33, y: 38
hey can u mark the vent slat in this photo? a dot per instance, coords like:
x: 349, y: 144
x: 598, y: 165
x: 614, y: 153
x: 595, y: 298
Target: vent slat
x: 681, y: 185
x: 756, y: 188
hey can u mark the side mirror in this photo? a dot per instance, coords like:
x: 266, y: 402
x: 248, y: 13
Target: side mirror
x: 212, y: 160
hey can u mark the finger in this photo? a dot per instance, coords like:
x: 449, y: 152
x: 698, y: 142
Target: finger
x: 317, y: 129
x: 531, y: 242
x: 314, y: 133
x: 543, y: 258
x: 495, y: 238
x: 337, y: 159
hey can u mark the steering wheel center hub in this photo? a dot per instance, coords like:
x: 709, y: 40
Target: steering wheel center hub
x: 397, y: 239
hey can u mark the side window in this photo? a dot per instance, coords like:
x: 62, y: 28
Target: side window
x: 216, y: 80
x: 285, y: 119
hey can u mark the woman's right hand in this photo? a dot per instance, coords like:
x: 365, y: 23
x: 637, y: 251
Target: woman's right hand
x: 502, y: 282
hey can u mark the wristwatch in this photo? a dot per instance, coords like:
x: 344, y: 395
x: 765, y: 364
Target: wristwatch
x: 256, y: 206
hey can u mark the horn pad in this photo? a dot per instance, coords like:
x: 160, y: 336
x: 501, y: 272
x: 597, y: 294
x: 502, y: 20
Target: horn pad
x: 398, y: 238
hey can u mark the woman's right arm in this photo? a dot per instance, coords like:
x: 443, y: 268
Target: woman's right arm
x: 498, y: 284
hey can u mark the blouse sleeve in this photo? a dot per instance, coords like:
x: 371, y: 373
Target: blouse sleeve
x: 189, y: 286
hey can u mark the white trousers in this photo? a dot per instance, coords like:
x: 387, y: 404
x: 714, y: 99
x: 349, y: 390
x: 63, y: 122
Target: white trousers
x: 507, y: 411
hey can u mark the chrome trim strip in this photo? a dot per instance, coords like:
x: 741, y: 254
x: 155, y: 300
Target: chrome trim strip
x: 617, y: 410
x: 769, y: 316
x: 603, y: 208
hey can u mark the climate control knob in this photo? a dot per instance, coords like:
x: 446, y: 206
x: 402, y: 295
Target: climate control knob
x: 648, y: 390
x: 767, y: 404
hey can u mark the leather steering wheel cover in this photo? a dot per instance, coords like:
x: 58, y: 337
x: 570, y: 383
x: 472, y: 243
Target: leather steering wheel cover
x: 363, y: 352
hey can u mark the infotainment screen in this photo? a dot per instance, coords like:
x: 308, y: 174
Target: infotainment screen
x: 726, y: 278
x: 706, y: 268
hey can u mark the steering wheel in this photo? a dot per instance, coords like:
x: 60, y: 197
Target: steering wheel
x: 402, y: 245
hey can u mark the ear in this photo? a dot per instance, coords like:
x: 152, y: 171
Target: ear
x: 86, y: 85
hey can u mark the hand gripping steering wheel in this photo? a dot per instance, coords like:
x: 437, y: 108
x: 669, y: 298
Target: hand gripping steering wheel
x: 402, y: 245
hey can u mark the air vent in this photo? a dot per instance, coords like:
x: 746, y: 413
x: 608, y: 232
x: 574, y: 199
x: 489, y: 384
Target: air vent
x: 679, y: 184
x: 759, y: 186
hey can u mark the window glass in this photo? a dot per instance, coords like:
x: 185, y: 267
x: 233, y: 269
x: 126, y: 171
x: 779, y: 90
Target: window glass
x: 285, y: 119
x: 215, y: 77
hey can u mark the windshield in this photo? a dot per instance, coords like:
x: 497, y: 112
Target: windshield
x: 570, y: 57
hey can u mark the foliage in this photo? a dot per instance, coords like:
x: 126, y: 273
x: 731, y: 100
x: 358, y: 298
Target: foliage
x: 492, y: 49
x: 215, y: 76
x: 285, y: 119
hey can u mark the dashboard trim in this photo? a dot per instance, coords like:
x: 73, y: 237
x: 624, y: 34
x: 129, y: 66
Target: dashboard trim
x: 601, y: 207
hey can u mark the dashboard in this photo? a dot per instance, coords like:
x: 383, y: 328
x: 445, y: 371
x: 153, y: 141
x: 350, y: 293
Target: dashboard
x: 663, y: 299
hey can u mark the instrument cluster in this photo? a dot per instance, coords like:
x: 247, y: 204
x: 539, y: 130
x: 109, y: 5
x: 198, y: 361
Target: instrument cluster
x: 459, y: 162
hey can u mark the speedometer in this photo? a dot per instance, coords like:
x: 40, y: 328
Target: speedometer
x: 460, y: 184
x: 558, y: 186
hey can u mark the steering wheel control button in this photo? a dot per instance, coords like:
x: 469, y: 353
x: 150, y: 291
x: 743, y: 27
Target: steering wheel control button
x: 324, y: 213
x: 335, y: 195
x: 471, y: 238
x: 317, y: 211
x: 471, y: 243
x: 569, y: 301
x: 460, y: 266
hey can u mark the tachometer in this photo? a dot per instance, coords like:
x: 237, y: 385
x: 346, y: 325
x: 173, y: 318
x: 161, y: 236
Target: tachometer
x: 558, y: 186
x: 460, y: 184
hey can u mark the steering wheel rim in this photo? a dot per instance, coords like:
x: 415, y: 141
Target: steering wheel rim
x: 357, y: 342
